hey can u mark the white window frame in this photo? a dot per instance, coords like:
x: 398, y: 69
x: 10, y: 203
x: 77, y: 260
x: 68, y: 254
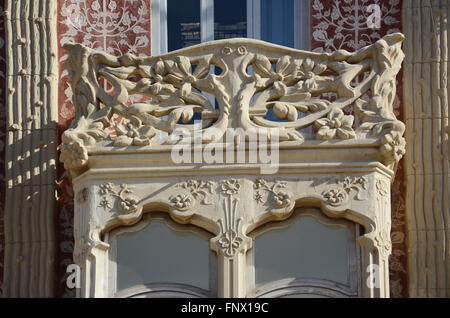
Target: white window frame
x: 159, y: 23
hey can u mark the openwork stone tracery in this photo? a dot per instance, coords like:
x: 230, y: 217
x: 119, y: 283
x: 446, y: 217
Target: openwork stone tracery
x: 339, y: 145
x: 251, y: 80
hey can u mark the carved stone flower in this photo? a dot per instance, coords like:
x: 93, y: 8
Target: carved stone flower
x: 133, y: 133
x: 282, y: 199
x: 231, y: 187
x: 393, y: 145
x: 336, y: 124
x: 182, y: 202
x: 309, y: 72
x: 105, y: 204
x: 259, y: 197
x: 73, y: 155
x: 335, y: 196
x: 230, y: 242
x: 128, y: 205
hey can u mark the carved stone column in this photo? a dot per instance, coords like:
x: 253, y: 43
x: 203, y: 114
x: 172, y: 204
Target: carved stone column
x: 426, y: 104
x: 31, y: 88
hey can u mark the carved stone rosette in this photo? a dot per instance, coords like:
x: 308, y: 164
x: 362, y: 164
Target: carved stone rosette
x: 344, y: 167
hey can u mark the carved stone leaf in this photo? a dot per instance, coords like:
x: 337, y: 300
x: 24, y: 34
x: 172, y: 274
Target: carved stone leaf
x: 183, y: 113
x: 263, y: 65
x: 282, y: 64
x: 123, y: 141
x: 184, y: 64
x: 285, y: 111
x: 202, y: 68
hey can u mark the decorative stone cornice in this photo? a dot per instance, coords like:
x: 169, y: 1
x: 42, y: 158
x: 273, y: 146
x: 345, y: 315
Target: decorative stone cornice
x: 253, y: 77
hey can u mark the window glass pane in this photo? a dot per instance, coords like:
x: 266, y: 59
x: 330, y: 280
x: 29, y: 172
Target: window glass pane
x: 183, y: 23
x: 230, y: 19
x: 159, y: 254
x: 277, y: 22
x: 304, y: 249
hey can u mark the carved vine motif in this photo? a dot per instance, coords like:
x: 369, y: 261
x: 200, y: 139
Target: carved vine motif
x: 252, y: 79
x: 198, y: 190
x: 110, y: 195
x: 274, y: 192
x: 383, y: 221
x: 339, y: 193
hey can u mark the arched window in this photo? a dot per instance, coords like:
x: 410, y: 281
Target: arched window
x: 308, y: 255
x: 159, y: 258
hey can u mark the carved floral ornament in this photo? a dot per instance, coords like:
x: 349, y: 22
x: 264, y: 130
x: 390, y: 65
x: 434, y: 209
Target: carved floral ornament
x: 343, y: 95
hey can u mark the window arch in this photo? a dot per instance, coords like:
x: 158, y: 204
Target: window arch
x: 319, y: 257
x: 160, y: 258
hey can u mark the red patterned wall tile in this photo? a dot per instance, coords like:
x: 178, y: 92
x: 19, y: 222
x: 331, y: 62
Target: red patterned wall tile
x: 114, y: 26
x: 348, y: 25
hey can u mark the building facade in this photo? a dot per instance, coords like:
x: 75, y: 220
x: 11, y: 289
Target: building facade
x: 39, y: 238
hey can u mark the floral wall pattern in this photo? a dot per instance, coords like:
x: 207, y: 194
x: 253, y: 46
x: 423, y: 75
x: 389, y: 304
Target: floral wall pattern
x: 116, y: 27
x: 348, y: 25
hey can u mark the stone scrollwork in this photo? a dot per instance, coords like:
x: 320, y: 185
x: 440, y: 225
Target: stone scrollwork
x: 251, y: 79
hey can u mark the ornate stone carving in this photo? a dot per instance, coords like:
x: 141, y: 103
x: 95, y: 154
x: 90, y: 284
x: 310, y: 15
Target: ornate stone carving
x: 182, y: 202
x: 382, y: 188
x: 336, y: 124
x: 338, y: 194
x: 287, y: 82
x: 230, y: 187
x: 110, y: 194
x: 229, y: 240
x: 279, y: 198
x: 198, y: 190
x: 252, y: 80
